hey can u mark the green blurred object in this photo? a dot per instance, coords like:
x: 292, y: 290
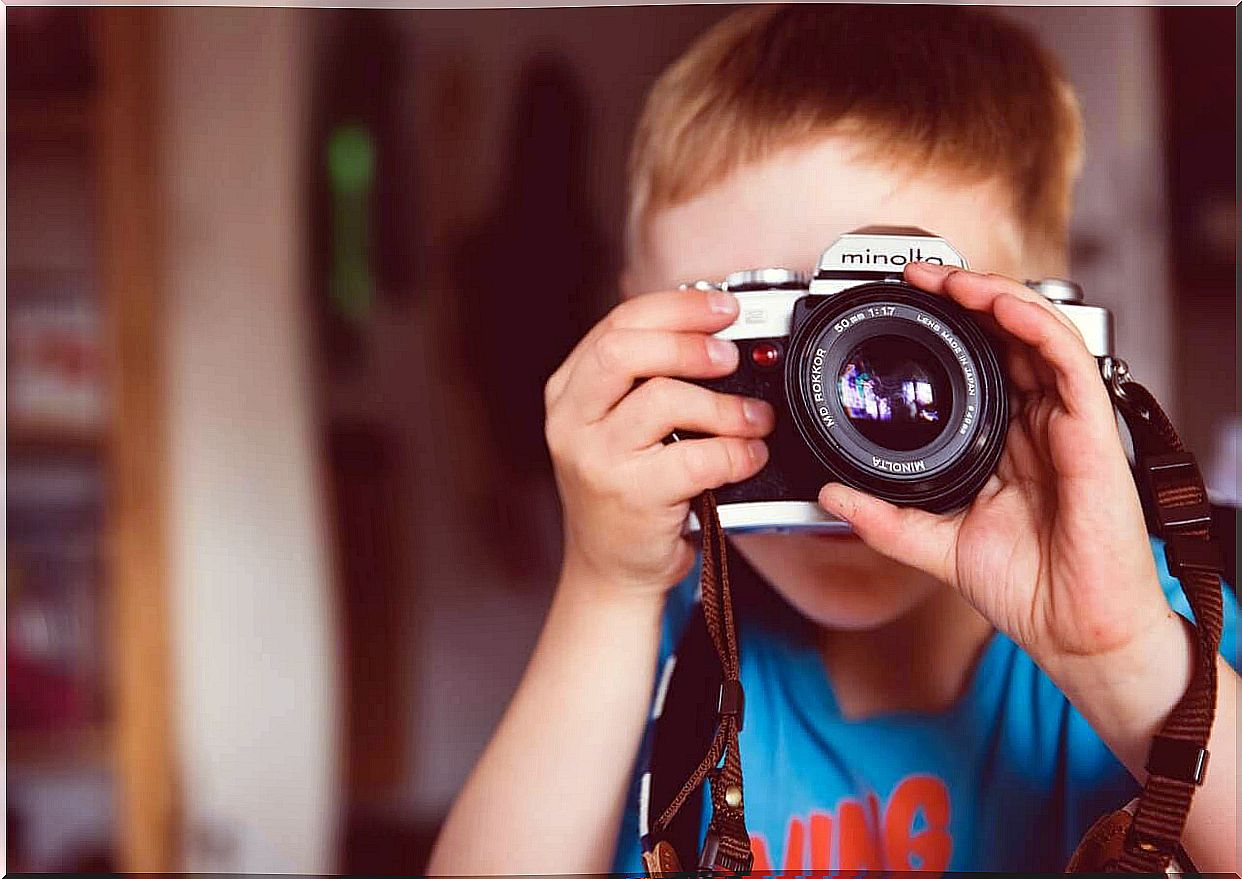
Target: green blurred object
x: 351, y: 174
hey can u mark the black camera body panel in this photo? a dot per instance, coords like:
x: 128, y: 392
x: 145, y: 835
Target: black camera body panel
x: 792, y: 472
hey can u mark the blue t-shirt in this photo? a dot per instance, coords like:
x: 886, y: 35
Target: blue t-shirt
x: 1008, y: 778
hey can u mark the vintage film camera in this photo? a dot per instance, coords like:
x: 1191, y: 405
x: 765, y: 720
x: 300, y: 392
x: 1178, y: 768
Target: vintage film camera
x: 876, y: 384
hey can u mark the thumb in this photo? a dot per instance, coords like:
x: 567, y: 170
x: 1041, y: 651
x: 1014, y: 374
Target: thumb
x: 906, y: 535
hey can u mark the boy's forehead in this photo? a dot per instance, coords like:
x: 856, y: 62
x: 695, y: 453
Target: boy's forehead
x: 785, y: 210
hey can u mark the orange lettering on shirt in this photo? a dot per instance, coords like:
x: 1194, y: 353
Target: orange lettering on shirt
x: 912, y: 833
x: 929, y: 847
x: 856, y: 843
x: 794, y: 835
x: 821, y: 841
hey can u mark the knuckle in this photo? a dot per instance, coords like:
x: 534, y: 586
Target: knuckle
x: 618, y: 314
x: 592, y: 470
x: 553, y: 434
x: 739, y: 461
x: 727, y: 410
x: 750, y: 456
x: 558, y: 435
x: 703, y: 462
x: 551, y: 390
x: 662, y: 392
x: 688, y: 354
x: 610, y: 350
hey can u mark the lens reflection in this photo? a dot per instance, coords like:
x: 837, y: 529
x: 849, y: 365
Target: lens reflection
x: 895, y: 392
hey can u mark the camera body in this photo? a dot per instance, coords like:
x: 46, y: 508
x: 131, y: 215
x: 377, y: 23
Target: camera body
x: 876, y: 384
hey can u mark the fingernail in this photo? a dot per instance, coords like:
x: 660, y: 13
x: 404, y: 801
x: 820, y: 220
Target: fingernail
x: 757, y: 449
x: 721, y: 352
x: 722, y: 303
x: 755, y: 411
x: 831, y: 499
x: 930, y: 269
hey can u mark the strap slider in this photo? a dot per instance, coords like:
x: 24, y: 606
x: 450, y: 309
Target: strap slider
x: 1174, y: 489
x: 1177, y: 759
x: 1185, y: 552
x: 732, y: 701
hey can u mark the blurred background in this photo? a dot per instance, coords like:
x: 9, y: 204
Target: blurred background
x: 283, y: 289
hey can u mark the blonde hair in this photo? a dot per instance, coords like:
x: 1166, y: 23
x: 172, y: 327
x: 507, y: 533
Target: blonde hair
x: 948, y: 87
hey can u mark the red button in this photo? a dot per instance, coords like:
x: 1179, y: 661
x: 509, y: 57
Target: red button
x: 765, y: 354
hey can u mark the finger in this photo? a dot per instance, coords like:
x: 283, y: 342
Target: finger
x: 906, y: 535
x: 1024, y: 373
x: 1073, y: 368
x: 701, y: 311
x: 607, y: 371
x: 657, y: 407
x: 704, y: 311
x: 977, y: 291
x: 683, y: 470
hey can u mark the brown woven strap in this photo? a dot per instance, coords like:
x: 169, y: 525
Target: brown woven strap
x: 727, y: 847
x: 1176, y: 505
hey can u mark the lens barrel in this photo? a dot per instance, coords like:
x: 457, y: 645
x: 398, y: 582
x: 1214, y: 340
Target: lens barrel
x: 897, y: 393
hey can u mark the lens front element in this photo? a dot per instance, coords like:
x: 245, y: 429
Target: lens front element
x: 895, y: 392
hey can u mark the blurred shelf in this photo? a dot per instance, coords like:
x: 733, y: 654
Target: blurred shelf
x: 34, y: 436
x: 75, y: 748
x: 44, y: 281
x: 52, y: 117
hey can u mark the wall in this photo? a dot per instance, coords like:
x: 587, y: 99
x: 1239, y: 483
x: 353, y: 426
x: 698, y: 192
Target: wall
x: 252, y: 635
x: 1120, y: 239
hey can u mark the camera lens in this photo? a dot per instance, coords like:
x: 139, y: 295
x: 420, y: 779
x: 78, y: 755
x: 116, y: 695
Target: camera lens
x: 895, y: 392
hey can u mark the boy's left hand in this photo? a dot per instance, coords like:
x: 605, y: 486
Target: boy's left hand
x: 1053, y: 550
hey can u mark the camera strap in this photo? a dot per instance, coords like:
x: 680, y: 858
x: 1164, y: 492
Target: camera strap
x: 726, y: 847
x: 1175, y: 502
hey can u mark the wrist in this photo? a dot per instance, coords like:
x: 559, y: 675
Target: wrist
x: 600, y: 625
x: 1127, y: 693
x: 583, y: 583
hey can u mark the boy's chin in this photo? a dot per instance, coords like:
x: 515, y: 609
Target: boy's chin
x: 835, y: 581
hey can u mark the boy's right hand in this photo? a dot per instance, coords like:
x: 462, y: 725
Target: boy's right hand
x: 625, y: 493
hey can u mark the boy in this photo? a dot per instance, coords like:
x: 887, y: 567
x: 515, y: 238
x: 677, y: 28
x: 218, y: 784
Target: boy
x: 963, y: 691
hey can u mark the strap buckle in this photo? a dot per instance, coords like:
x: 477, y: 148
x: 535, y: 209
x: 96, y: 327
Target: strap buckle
x: 1185, y: 552
x: 731, y: 701
x: 1174, y: 490
x: 1177, y: 759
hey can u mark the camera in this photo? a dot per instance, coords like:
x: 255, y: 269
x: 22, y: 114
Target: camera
x: 876, y: 384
